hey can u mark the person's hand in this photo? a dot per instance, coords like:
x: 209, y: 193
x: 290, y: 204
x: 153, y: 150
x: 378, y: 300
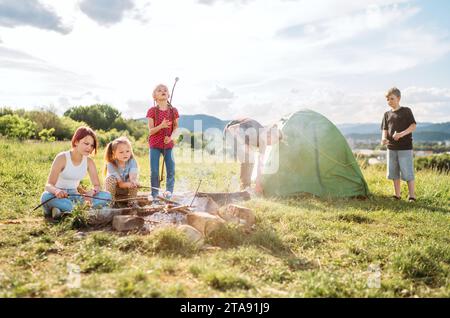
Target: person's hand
x: 165, y: 123
x: 134, y: 184
x: 384, y: 141
x: 258, y: 189
x: 258, y: 186
x: 397, y: 136
x: 96, y: 189
x: 167, y: 140
x: 90, y: 193
x: 61, y: 194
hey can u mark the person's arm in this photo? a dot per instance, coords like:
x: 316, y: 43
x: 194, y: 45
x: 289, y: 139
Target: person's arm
x: 405, y: 132
x: 57, y: 167
x: 120, y: 183
x: 93, y: 175
x: 174, y: 134
x: 384, y: 140
x: 112, y: 171
x: 134, y: 173
x: 154, y: 130
x: 384, y: 131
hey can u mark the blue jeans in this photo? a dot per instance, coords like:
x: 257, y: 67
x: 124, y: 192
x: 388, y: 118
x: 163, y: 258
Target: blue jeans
x: 400, y: 165
x: 169, y: 160
x: 66, y: 204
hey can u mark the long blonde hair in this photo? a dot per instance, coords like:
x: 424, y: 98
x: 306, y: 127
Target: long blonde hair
x: 111, y: 147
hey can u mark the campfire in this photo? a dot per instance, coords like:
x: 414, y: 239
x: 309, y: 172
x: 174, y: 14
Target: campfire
x: 196, y: 214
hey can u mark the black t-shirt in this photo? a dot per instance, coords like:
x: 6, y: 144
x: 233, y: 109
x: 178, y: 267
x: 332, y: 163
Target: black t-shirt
x: 398, y: 121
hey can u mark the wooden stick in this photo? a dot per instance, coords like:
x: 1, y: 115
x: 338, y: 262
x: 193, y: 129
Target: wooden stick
x: 46, y: 201
x: 196, y: 191
x: 167, y: 200
x: 181, y: 208
x: 70, y: 195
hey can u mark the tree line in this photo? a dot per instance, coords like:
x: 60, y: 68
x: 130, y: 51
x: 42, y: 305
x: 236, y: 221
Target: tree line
x: 44, y: 124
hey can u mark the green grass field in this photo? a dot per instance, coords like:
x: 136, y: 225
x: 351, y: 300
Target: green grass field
x: 302, y: 247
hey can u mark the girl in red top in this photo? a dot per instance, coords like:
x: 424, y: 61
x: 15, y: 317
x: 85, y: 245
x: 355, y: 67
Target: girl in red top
x: 162, y: 122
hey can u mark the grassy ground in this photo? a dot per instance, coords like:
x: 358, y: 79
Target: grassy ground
x: 302, y: 247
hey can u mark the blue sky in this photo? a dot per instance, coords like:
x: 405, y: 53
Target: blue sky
x: 235, y: 58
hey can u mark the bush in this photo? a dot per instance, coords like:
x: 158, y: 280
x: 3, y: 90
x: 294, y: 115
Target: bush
x: 96, y: 116
x: 440, y: 163
x: 44, y: 119
x: 104, y: 137
x: 64, y: 127
x: 68, y: 128
x: 47, y: 134
x: 14, y: 126
x: 6, y: 111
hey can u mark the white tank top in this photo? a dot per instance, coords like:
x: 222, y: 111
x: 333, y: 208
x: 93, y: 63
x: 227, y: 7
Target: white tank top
x: 71, y: 175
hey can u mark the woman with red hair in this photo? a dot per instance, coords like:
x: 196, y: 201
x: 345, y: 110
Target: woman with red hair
x: 68, y: 169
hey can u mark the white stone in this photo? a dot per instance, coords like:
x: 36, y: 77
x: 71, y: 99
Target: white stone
x: 239, y: 215
x: 124, y: 223
x: 192, y: 234
x: 204, y: 222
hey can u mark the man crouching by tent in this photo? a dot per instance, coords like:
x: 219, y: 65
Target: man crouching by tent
x: 249, y: 137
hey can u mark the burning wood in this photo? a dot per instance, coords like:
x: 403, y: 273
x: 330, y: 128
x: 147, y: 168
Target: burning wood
x: 201, y: 218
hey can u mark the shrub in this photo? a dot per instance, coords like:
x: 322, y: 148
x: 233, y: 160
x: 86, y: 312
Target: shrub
x: 6, y: 111
x: 47, y: 134
x: 440, y: 163
x: 96, y: 116
x: 104, y: 137
x: 67, y: 128
x: 44, y: 119
x: 14, y: 126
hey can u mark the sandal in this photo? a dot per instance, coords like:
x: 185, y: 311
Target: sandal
x: 412, y: 199
x: 396, y: 197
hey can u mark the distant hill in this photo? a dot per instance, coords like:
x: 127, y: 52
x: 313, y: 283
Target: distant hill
x: 370, y: 131
x: 187, y: 121
x: 372, y: 128
x: 424, y: 132
x: 207, y: 121
x: 424, y: 136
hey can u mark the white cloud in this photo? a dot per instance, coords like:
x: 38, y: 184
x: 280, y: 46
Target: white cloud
x: 106, y: 12
x: 15, y: 13
x: 249, y: 58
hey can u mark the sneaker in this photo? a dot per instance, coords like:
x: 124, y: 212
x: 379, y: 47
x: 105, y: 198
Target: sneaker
x: 167, y: 195
x: 56, y: 213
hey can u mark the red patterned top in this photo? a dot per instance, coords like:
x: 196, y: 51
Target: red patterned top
x: 157, y: 140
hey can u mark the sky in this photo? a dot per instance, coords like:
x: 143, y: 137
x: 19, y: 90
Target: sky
x: 235, y: 58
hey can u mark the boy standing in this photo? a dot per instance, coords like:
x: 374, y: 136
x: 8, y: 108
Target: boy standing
x: 397, y: 127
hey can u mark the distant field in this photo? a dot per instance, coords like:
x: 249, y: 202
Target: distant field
x: 302, y: 247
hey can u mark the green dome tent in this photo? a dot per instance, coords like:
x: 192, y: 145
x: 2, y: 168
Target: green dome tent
x: 312, y: 157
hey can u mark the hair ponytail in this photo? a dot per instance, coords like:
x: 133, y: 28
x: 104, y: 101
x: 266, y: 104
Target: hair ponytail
x: 108, y: 156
